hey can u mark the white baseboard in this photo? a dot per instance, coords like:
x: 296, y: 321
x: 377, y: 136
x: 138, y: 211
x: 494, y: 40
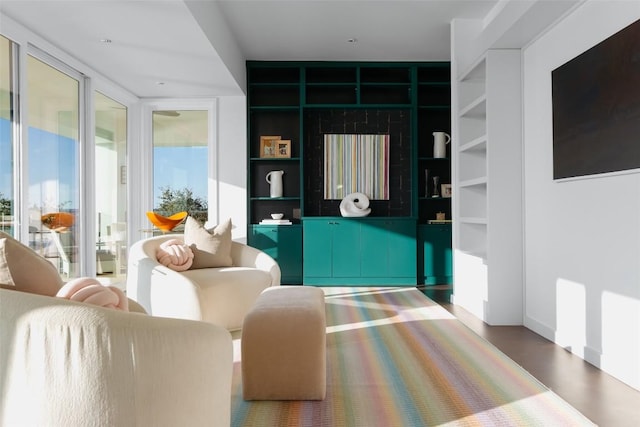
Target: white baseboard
x: 540, y: 328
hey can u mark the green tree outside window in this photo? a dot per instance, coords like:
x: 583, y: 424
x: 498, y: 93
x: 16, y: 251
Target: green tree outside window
x: 172, y: 201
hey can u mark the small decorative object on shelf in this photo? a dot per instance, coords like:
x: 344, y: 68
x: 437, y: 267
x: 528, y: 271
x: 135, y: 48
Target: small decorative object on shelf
x: 274, y: 178
x: 440, y: 221
x: 269, y: 146
x: 268, y: 221
x: 166, y: 223
x: 436, y: 186
x: 441, y: 218
x: 446, y: 190
x: 426, y: 183
x: 355, y: 205
x: 276, y: 219
x: 283, y: 148
x: 440, y: 141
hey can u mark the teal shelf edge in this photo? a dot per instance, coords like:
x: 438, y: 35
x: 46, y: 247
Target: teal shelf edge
x: 294, y: 225
x: 434, y: 83
x: 274, y: 159
x: 391, y: 84
x: 389, y: 106
x: 330, y: 84
x: 274, y: 198
x: 361, y: 218
x: 437, y: 159
x: 274, y: 108
x: 275, y: 84
x: 434, y: 107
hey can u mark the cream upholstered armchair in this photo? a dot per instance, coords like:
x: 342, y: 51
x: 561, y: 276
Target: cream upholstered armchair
x: 68, y: 363
x: 220, y: 295
x: 74, y: 364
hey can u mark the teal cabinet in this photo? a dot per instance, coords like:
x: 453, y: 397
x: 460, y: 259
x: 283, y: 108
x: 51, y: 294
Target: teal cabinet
x: 317, y: 244
x: 331, y: 248
x: 359, y: 251
x: 434, y: 242
x: 284, y: 244
x: 345, y: 248
x: 388, y: 248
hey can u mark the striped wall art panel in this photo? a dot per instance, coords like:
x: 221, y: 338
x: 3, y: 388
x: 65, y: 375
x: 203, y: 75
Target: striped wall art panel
x: 356, y: 163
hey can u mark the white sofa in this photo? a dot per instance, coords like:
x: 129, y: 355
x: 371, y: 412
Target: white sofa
x: 64, y: 363
x: 221, y: 295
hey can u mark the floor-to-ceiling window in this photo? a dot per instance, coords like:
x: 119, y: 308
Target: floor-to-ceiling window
x: 6, y: 137
x: 110, y: 188
x: 67, y: 188
x: 180, y: 162
x: 53, y: 164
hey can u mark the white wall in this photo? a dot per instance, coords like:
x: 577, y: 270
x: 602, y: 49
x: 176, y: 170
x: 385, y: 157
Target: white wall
x: 582, y: 249
x: 232, y: 163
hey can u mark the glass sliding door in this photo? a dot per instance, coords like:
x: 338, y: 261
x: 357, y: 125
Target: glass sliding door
x: 53, y: 164
x: 7, y: 223
x: 180, y: 162
x: 111, y: 188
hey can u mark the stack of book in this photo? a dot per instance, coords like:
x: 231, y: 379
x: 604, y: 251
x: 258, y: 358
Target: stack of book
x: 276, y: 222
x: 440, y: 221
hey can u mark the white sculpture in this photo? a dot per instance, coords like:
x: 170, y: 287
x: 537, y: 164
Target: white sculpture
x: 355, y: 204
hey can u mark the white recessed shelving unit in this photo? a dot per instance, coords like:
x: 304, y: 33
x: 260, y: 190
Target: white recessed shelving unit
x: 487, y: 186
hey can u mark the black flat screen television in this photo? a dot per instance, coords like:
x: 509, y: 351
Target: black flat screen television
x: 596, y: 108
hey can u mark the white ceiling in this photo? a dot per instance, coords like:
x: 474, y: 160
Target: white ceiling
x: 309, y: 30
x: 196, y: 47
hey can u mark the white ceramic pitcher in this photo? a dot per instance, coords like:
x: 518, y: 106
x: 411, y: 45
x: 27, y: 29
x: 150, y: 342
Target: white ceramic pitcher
x: 274, y: 178
x: 440, y: 141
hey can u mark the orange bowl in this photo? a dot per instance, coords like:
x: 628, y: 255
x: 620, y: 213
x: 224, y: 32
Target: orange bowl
x: 166, y: 223
x: 58, y: 221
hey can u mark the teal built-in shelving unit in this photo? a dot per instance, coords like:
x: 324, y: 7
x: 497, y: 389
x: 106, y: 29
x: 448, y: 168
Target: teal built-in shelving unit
x: 398, y: 244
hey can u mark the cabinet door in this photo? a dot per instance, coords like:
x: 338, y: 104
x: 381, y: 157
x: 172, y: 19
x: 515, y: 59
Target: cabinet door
x: 284, y: 244
x: 345, y: 248
x: 290, y: 253
x: 437, y: 258
x: 375, y: 249
x: 389, y: 249
x: 317, y: 248
x: 401, y: 245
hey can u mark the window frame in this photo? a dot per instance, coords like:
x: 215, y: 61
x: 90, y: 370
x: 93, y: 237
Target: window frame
x: 25, y: 43
x: 146, y: 190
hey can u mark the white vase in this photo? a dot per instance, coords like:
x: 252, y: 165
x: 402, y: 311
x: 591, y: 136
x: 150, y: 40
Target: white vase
x: 440, y: 141
x: 274, y: 178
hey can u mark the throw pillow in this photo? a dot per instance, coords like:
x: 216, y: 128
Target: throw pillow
x: 90, y: 291
x: 211, y: 247
x: 175, y: 255
x: 22, y: 269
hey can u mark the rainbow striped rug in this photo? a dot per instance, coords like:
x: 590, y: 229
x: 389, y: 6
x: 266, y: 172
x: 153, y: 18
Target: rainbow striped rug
x: 396, y: 358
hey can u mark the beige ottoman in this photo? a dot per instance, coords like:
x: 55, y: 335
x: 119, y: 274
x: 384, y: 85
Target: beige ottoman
x: 284, y: 345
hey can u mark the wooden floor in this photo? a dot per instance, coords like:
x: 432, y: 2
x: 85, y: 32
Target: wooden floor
x: 602, y: 398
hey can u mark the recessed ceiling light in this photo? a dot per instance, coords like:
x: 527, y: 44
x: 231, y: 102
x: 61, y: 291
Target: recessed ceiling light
x: 353, y: 40
x: 160, y: 83
x: 105, y: 40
